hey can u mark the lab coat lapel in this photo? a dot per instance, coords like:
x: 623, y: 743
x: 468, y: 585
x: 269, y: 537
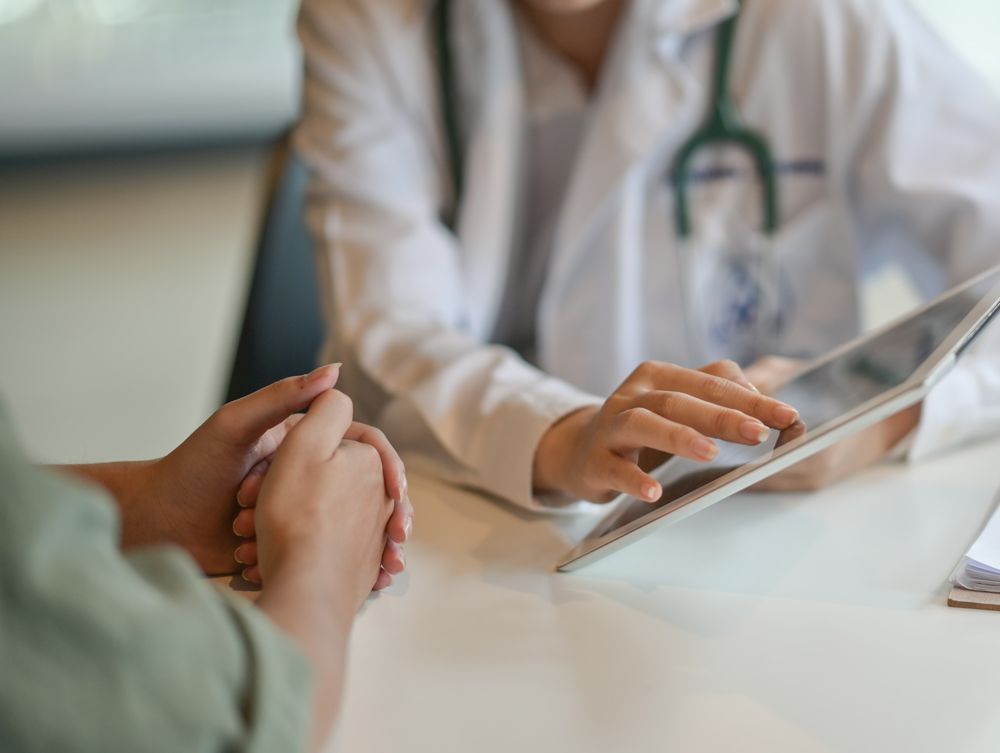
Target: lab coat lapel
x: 488, y: 223
x: 649, y: 100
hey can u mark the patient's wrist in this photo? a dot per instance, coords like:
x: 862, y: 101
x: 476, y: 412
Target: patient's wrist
x: 136, y: 488
x: 313, y: 585
x: 128, y: 482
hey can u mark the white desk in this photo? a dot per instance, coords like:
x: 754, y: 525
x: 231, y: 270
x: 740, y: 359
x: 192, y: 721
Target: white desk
x: 767, y: 623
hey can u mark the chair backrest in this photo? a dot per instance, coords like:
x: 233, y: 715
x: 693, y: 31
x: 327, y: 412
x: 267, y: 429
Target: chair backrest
x: 282, y: 326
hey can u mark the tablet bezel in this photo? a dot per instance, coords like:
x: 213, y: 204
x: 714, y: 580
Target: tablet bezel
x: 904, y: 395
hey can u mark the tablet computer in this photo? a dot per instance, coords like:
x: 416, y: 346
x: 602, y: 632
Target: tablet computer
x: 854, y: 387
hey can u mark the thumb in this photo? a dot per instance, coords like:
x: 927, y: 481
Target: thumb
x: 246, y: 419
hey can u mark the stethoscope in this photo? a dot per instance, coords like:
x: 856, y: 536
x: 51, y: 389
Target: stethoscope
x: 723, y: 127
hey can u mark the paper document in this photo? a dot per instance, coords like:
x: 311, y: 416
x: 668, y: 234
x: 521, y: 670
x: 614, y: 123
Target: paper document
x: 979, y: 569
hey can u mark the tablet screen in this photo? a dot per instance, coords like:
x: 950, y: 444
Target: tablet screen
x: 822, y: 394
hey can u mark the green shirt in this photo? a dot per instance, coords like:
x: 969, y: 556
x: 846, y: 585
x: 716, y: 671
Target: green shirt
x: 105, y: 652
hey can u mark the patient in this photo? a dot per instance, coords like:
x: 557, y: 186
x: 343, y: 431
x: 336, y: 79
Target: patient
x: 110, y: 638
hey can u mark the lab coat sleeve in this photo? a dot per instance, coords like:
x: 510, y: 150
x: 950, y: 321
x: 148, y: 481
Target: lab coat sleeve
x: 927, y: 190
x: 105, y: 653
x: 391, y: 271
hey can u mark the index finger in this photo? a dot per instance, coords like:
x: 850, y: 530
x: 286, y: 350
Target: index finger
x: 727, y: 393
x: 729, y: 370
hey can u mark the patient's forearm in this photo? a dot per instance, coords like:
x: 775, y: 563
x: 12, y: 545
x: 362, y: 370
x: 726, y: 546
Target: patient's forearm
x: 308, y: 605
x: 129, y: 484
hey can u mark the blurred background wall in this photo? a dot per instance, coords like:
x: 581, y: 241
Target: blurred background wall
x: 137, y: 154
x: 970, y: 26
x: 137, y: 142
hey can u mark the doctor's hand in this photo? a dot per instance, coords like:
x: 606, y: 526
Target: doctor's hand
x: 842, y: 459
x: 770, y: 373
x: 398, y: 530
x: 660, y: 410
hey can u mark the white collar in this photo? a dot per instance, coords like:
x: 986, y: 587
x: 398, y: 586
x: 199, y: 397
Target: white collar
x: 685, y: 17
x: 666, y: 16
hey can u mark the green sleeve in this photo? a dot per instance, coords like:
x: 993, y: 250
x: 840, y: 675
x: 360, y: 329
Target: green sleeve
x: 99, y: 652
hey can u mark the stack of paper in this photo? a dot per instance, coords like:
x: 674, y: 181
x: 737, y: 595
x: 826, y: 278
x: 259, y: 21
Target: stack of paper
x: 979, y: 569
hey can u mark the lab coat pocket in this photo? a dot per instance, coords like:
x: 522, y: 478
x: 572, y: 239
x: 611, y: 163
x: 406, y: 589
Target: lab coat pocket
x: 731, y: 296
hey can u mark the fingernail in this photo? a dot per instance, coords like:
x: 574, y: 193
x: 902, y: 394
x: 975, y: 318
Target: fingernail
x: 318, y: 373
x: 234, y: 528
x: 753, y: 386
x: 705, y: 449
x: 408, y: 527
x: 754, y: 431
x: 651, y: 492
x: 315, y: 375
x: 786, y: 414
x: 236, y: 556
x: 402, y: 558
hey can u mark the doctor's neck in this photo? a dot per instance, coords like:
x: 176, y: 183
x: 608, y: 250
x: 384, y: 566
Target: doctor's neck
x: 579, y: 30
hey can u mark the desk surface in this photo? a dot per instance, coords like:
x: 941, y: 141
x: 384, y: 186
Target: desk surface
x: 766, y: 623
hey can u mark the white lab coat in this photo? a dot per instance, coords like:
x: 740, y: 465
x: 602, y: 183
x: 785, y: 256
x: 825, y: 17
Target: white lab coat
x: 887, y: 149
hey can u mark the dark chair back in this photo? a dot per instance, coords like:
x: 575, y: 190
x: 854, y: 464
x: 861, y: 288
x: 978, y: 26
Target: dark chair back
x: 282, y: 326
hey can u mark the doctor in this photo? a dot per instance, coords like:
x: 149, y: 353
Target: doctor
x: 513, y: 247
